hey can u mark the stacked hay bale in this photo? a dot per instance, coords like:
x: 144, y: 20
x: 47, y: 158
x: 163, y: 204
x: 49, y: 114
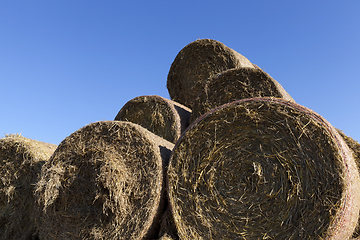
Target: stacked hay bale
x: 165, y: 118
x: 20, y: 164
x: 197, y: 62
x: 104, y: 181
x: 263, y: 168
x: 235, y: 84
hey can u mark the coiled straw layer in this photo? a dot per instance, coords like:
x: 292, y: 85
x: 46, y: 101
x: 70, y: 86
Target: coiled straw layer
x: 165, y: 118
x: 235, y: 84
x: 104, y: 181
x: 195, y: 63
x: 263, y: 168
x: 20, y: 165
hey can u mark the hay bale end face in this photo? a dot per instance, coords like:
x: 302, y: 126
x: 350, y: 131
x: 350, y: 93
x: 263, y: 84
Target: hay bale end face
x: 104, y: 181
x: 20, y: 165
x: 236, y: 84
x: 165, y: 118
x: 263, y: 168
x: 197, y: 62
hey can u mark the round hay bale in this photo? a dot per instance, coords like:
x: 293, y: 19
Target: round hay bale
x: 236, y: 84
x: 104, y: 181
x: 263, y: 168
x: 20, y: 164
x: 165, y: 118
x: 355, y: 147
x: 197, y: 62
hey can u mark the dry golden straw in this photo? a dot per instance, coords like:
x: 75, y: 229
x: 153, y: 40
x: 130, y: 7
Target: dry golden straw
x: 263, y: 168
x: 20, y: 164
x: 355, y: 147
x: 104, y: 181
x: 197, y: 62
x: 165, y: 118
x: 236, y: 84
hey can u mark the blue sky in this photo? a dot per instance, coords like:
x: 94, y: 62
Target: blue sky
x: 65, y: 64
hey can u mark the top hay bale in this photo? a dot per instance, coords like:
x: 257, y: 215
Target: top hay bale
x: 263, y: 168
x: 165, y: 118
x: 20, y: 164
x: 197, y: 62
x: 235, y: 84
x: 104, y: 181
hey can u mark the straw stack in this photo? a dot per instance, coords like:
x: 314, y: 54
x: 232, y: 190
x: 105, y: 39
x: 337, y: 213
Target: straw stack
x: 253, y: 164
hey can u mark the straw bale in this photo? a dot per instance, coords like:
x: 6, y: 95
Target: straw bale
x: 263, y: 168
x: 104, y: 181
x: 197, y: 62
x: 165, y: 118
x: 353, y: 144
x: 236, y: 84
x: 20, y: 164
x: 355, y: 147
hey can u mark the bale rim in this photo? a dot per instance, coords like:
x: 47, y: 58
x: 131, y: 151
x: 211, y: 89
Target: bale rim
x: 355, y: 147
x: 20, y: 164
x: 195, y: 63
x: 104, y: 181
x: 165, y: 118
x: 263, y: 168
x: 236, y: 84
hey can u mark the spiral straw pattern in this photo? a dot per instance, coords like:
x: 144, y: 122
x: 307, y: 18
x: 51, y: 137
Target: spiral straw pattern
x: 263, y: 168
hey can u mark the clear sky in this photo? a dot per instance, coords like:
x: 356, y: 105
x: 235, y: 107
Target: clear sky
x: 67, y: 63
